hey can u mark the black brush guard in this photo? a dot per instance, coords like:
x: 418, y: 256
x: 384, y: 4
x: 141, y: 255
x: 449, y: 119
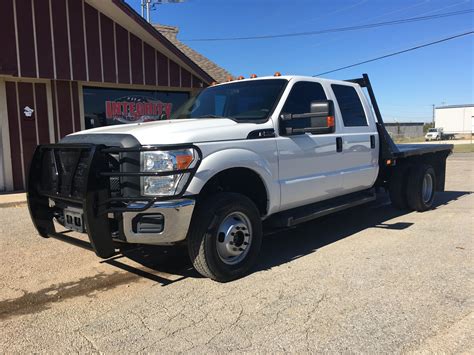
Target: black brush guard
x: 83, y: 176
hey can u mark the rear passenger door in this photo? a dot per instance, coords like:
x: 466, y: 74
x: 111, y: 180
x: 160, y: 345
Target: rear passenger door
x: 360, y: 138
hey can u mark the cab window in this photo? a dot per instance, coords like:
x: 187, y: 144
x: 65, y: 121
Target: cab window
x: 299, y: 101
x: 352, y: 111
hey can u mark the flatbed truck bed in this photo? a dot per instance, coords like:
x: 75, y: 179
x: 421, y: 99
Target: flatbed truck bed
x: 410, y: 150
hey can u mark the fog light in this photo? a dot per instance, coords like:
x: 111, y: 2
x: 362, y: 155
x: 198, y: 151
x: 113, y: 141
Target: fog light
x: 148, y: 223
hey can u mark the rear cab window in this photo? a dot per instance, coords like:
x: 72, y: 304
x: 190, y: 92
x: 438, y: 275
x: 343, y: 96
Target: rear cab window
x: 352, y: 111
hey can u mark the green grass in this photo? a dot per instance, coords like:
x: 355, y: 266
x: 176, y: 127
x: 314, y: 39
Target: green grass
x: 463, y: 148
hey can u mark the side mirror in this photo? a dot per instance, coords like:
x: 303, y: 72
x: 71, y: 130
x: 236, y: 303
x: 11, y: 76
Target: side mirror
x: 320, y: 119
x: 321, y: 108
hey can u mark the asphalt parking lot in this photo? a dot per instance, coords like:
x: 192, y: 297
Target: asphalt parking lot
x: 371, y: 279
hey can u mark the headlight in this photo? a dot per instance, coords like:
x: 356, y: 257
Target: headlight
x: 164, y: 161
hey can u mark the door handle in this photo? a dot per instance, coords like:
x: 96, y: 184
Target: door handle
x: 338, y: 144
x: 372, y: 141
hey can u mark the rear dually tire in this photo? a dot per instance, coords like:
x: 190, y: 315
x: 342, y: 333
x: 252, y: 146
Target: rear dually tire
x: 421, y: 187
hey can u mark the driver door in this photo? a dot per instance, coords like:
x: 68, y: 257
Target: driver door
x: 310, y: 166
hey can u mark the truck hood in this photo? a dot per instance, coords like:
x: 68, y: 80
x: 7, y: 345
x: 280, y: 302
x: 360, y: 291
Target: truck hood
x: 175, y: 131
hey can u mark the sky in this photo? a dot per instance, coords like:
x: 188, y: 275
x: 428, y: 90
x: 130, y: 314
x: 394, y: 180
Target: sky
x: 406, y: 86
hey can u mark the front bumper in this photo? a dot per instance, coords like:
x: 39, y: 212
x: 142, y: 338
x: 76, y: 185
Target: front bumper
x: 176, y: 220
x: 103, y: 182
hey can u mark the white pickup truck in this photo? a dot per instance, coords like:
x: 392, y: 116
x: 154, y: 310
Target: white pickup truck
x: 236, y: 159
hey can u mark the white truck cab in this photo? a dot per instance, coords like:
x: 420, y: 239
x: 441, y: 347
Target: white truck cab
x: 270, y: 151
x: 437, y: 134
x: 434, y: 134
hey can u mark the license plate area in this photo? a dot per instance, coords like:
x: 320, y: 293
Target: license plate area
x: 73, y: 219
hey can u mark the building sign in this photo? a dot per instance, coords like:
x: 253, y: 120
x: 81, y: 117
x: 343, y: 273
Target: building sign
x: 131, y: 109
x: 106, y: 106
x: 28, y: 112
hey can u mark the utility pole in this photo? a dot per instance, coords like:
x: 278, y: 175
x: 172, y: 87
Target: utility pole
x: 149, y: 5
x: 148, y: 10
x: 433, y: 115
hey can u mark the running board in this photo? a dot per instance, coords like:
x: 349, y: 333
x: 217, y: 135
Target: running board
x: 319, y: 209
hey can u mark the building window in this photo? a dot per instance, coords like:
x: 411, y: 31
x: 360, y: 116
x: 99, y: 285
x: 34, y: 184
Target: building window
x: 105, y: 106
x: 351, y: 108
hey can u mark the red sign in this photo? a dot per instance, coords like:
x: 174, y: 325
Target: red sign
x: 137, y: 109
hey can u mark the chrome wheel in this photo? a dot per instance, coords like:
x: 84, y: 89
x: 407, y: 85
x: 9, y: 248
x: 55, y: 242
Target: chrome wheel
x: 234, y: 237
x: 427, y: 188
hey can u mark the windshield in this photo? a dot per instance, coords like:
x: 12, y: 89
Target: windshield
x: 433, y: 130
x: 240, y: 101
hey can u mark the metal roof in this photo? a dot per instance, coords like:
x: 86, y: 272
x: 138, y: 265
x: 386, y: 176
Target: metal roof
x: 455, y: 106
x: 212, y: 69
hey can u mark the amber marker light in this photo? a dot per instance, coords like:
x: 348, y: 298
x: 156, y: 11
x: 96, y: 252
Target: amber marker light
x: 214, y: 83
x: 330, y: 121
x: 183, y: 161
x: 253, y: 76
x: 240, y: 78
x: 277, y: 74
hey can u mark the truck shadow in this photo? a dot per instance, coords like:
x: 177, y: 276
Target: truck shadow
x: 287, y: 245
x: 163, y: 265
x: 280, y: 246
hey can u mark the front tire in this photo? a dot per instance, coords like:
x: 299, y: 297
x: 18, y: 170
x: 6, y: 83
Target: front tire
x: 225, y: 236
x: 421, y: 187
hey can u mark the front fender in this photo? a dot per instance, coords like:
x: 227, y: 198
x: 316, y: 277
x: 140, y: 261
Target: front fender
x: 265, y: 165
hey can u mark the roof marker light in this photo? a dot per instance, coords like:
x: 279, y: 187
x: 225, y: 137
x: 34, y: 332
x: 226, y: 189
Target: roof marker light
x: 253, y: 76
x: 229, y: 78
x: 277, y: 74
x: 214, y: 83
x: 240, y: 78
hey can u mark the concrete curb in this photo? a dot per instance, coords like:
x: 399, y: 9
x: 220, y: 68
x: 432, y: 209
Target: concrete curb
x: 13, y: 200
x: 13, y: 204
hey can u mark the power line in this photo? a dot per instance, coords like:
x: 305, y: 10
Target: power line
x: 337, y: 29
x: 399, y: 52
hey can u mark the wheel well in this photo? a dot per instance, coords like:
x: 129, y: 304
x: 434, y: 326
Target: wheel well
x: 239, y: 180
